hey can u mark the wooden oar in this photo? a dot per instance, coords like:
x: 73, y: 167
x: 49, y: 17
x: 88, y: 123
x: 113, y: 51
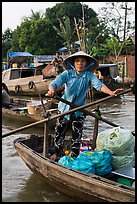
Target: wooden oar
x: 62, y: 114
x: 88, y: 112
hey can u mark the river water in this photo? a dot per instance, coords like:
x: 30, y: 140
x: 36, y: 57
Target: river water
x: 19, y: 184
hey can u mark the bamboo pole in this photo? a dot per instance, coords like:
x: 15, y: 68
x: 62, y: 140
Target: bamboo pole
x: 63, y: 114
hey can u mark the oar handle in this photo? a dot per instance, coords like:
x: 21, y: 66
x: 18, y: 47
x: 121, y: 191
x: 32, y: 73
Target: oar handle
x: 101, y: 100
x: 44, y: 110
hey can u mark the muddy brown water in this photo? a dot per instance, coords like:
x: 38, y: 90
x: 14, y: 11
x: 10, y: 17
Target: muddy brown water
x: 19, y: 184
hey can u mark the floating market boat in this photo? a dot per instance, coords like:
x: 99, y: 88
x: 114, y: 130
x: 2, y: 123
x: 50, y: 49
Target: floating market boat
x: 36, y: 150
x: 82, y: 186
x: 28, y: 111
x: 110, y: 77
x: 22, y: 78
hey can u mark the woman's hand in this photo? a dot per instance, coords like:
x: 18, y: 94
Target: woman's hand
x: 51, y: 91
x: 106, y: 90
x: 114, y: 93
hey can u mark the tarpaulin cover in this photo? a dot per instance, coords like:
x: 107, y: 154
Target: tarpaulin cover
x: 18, y: 57
x: 62, y: 49
x: 19, y: 54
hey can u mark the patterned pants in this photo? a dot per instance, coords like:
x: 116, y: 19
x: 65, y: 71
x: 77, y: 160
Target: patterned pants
x: 60, y: 130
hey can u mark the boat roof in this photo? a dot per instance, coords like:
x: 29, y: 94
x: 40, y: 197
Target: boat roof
x: 62, y: 49
x: 22, y: 68
x: 19, y: 54
x: 18, y: 68
x: 18, y: 57
x: 106, y: 65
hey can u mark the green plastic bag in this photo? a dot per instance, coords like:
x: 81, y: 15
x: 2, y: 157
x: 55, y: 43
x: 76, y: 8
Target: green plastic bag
x: 121, y: 143
x: 117, y: 140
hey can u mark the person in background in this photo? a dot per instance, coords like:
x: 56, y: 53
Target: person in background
x: 77, y: 77
x: 5, y: 97
x: 98, y: 74
x: 57, y: 62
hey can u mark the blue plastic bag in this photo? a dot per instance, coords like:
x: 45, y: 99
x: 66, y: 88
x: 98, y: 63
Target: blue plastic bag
x: 101, y: 158
x: 95, y: 161
x: 79, y: 164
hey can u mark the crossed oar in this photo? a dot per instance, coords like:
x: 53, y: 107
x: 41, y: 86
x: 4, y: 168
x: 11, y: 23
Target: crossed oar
x: 76, y: 108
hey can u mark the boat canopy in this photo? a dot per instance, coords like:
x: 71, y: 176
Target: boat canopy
x: 62, y: 49
x: 106, y: 65
x: 19, y: 54
x: 108, y: 70
x: 18, y: 57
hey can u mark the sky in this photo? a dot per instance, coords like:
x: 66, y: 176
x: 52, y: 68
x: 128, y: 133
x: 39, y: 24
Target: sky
x: 13, y: 12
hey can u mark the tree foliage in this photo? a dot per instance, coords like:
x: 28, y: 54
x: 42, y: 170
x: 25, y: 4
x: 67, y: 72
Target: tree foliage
x: 65, y: 31
x: 6, y: 43
x: 115, y: 16
x: 37, y: 33
x: 44, y: 33
x: 36, y: 36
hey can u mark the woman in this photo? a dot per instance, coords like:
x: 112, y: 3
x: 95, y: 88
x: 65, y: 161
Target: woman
x: 77, y: 77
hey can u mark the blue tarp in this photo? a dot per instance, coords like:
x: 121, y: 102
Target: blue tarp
x: 18, y: 57
x: 19, y: 54
x: 62, y: 49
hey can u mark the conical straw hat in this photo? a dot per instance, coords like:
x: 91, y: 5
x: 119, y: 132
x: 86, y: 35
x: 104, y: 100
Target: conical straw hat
x: 90, y: 60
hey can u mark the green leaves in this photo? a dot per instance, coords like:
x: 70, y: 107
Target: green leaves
x: 65, y: 31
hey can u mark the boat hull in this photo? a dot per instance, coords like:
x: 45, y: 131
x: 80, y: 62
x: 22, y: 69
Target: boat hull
x: 39, y: 85
x: 84, y: 187
x: 22, y: 114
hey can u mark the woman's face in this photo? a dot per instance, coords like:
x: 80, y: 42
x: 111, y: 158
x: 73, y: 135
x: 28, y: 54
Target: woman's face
x: 80, y: 64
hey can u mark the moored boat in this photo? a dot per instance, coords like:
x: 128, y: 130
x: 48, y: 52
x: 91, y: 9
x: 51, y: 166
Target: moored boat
x: 109, y: 76
x: 21, y: 78
x: 28, y: 111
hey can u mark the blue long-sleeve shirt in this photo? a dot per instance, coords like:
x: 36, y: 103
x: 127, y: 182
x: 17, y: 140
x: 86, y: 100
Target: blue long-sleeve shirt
x: 75, y: 88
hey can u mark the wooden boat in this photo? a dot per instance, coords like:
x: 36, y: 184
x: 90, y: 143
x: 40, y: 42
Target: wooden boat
x: 28, y: 111
x: 30, y: 85
x: 82, y: 186
x: 111, y: 79
x: 35, y: 151
x: 25, y: 80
